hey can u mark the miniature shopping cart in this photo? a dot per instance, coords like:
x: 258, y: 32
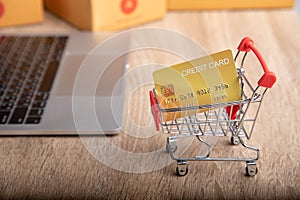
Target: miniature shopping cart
x: 234, y: 119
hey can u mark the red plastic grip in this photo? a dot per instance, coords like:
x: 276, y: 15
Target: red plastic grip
x: 232, y: 110
x: 154, y: 110
x: 269, y: 78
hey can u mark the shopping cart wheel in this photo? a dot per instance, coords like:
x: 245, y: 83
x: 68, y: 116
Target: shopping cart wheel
x: 234, y: 140
x: 182, y: 168
x: 251, y: 169
x: 171, y: 148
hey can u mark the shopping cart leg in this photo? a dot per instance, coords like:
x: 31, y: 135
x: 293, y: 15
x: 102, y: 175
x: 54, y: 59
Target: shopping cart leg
x: 171, y: 147
x: 251, y: 167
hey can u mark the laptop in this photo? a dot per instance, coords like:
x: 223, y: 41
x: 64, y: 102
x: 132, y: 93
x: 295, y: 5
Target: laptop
x: 37, y: 78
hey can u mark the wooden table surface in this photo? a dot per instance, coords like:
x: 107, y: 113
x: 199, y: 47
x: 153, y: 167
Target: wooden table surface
x: 64, y: 167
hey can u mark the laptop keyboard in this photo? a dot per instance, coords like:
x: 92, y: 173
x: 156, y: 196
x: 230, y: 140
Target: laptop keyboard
x: 28, y: 65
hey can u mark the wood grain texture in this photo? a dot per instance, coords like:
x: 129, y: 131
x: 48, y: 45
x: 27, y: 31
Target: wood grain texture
x: 69, y: 167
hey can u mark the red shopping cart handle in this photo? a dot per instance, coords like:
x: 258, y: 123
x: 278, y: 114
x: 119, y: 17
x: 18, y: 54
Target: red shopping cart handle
x: 269, y: 78
x: 154, y: 110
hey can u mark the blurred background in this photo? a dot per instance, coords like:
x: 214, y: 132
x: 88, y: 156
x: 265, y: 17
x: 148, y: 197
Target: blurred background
x: 97, y: 15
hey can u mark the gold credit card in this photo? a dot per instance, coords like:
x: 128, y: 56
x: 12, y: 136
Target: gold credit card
x: 206, y: 80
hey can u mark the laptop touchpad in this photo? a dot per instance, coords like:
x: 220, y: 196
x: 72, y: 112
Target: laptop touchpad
x: 74, y: 67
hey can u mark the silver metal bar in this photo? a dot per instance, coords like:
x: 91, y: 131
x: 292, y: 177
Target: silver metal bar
x: 236, y: 56
x: 206, y: 106
x: 242, y: 119
x: 248, y: 82
x: 256, y: 114
x: 243, y: 59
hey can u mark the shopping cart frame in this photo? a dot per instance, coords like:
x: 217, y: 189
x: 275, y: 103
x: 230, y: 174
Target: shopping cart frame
x: 220, y: 119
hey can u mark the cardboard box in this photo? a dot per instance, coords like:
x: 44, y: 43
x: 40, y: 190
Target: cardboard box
x: 17, y: 12
x: 98, y: 15
x: 227, y: 4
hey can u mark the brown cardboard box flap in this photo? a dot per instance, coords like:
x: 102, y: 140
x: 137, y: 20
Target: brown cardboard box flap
x: 16, y: 12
